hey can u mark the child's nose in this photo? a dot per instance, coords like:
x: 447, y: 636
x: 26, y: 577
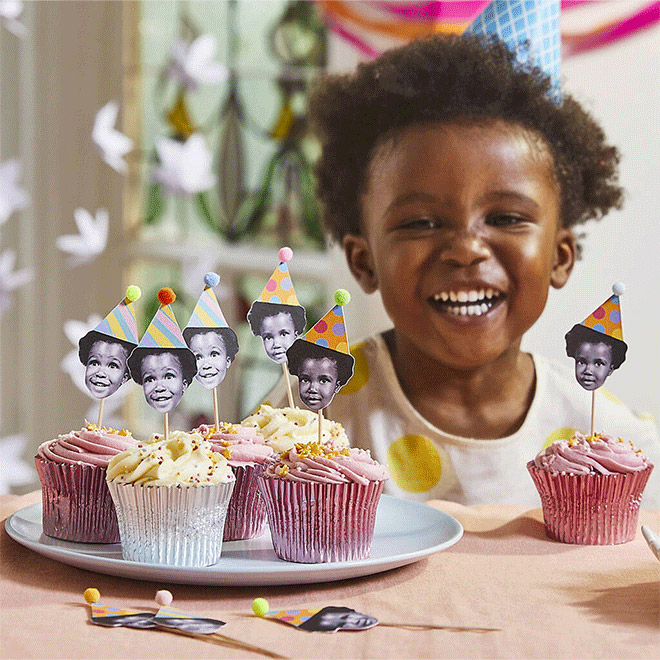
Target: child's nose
x: 465, y: 248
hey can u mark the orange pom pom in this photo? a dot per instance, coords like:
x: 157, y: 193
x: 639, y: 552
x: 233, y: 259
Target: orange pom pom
x: 166, y: 296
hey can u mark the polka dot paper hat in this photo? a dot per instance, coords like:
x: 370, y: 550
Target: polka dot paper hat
x: 606, y: 319
x: 279, y: 288
x: 330, y: 331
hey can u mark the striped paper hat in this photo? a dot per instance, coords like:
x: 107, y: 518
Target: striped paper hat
x: 164, y: 331
x: 207, y: 312
x: 100, y: 611
x: 119, y: 324
x: 530, y: 28
x: 606, y: 319
x: 279, y: 288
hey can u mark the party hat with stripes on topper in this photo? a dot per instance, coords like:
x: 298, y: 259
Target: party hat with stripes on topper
x: 207, y: 312
x: 530, y: 28
x: 163, y: 331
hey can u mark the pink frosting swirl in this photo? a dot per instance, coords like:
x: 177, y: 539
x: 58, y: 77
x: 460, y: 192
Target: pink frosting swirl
x: 583, y: 454
x: 240, y: 445
x: 325, y: 464
x: 89, y: 446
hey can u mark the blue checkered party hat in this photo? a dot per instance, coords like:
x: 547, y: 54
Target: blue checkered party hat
x: 528, y: 27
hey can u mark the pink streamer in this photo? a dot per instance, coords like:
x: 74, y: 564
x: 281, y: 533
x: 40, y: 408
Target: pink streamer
x: 436, y: 10
x: 352, y: 38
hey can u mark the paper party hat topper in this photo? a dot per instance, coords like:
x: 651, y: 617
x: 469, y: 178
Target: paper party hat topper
x: 323, y: 619
x: 207, y: 313
x: 171, y: 617
x: 321, y: 359
x: 279, y: 288
x: 116, y: 617
x: 163, y: 331
x: 530, y: 28
x: 606, y: 319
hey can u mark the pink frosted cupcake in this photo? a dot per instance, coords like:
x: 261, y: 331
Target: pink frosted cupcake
x: 321, y: 502
x: 247, y: 455
x: 590, y: 488
x: 76, y: 501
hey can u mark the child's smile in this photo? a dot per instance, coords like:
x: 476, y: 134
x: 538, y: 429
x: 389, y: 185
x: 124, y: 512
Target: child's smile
x: 162, y: 380
x: 462, y: 237
x: 211, y: 355
x: 106, y: 368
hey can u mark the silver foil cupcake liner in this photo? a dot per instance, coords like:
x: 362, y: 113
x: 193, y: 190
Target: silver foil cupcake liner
x: 171, y: 525
x: 76, y: 502
x: 313, y: 523
x: 246, y: 516
x: 590, y: 509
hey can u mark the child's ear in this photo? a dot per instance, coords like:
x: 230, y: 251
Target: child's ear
x: 360, y: 262
x: 564, y: 259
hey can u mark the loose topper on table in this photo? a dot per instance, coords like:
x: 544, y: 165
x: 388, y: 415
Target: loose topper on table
x: 105, y: 350
x: 168, y: 619
x: 211, y: 340
x: 162, y: 363
x: 597, y: 345
x: 277, y: 317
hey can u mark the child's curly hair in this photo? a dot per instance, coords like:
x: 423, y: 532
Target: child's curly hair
x: 448, y: 78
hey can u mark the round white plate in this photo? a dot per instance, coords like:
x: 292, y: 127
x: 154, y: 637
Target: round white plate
x: 405, y: 532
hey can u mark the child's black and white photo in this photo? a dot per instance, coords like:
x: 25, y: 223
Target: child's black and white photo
x: 278, y: 326
x: 106, y: 363
x: 214, y: 350
x: 331, y: 619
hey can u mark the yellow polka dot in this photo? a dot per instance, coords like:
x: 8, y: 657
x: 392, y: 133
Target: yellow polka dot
x: 617, y: 334
x: 414, y: 463
x: 565, y: 433
x: 610, y: 396
x: 360, y: 372
x: 342, y: 347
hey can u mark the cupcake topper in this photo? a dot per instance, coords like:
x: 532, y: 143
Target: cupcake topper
x: 211, y: 340
x: 530, y: 28
x: 332, y: 619
x: 597, y: 345
x: 162, y: 363
x: 277, y: 317
x: 105, y: 350
x: 116, y: 617
x: 321, y: 359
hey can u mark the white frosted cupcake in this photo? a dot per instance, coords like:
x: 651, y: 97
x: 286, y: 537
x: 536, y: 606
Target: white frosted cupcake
x: 171, y: 499
x: 282, y: 428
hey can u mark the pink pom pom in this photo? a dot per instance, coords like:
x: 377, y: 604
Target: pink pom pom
x: 164, y: 597
x: 285, y: 254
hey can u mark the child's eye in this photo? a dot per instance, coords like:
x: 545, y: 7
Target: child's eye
x: 169, y: 375
x: 94, y: 363
x: 505, y: 220
x: 426, y: 222
x: 304, y: 379
x: 324, y: 379
x: 214, y: 353
x: 148, y: 379
x: 284, y: 333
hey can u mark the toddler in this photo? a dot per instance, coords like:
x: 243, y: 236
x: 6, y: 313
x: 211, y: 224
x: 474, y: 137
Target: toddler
x: 453, y: 179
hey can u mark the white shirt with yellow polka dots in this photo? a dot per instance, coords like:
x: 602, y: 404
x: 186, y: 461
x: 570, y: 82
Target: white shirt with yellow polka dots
x: 426, y: 463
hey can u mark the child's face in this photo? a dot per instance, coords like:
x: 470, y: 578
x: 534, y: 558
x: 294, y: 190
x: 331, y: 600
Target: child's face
x: 462, y: 237
x: 278, y: 333
x: 593, y: 364
x: 106, y: 368
x: 318, y: 382
x: 211, y: 355
x: 162, y: 381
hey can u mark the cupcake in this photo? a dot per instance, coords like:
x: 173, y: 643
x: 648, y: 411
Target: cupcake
x: 247, y: 455
x: 282, y: 428
x: 321, y: 502
x: 76, y: 502
x: 590, y: 488
x: 171, y: 498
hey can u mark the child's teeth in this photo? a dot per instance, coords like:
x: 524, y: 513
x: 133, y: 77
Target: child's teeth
x: 473, y: 296
x: 452, y: 296
x: 462, y: 296
x: 484, y: 308
x: 489, y: 293
x: 463, y: 310
x: 444, y: 296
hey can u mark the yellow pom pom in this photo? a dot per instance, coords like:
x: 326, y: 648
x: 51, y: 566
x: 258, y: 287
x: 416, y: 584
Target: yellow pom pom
x: 260, y: 606
x: 342, y: 297
x: 133, y: 292
x: 92, y: 595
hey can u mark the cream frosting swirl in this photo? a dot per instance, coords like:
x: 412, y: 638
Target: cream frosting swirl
x: 90, y: 446
x: 282, y: 428
x: 328, y: 465
x: 240, y: 445
x: 185, y: 459
x: 600, y: 453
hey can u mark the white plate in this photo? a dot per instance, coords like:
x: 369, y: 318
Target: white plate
x: 405, y: 532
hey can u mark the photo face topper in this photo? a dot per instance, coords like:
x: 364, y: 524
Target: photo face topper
x: 170, y: 617
x: 162, y: 363
x: 208, y: 336
x: 597, y: 344
x: 327, y: 619
x: 105, y: 350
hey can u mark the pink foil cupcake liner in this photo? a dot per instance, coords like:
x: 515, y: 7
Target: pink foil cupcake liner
x: 171, y: 525
x: 590, y: 509
x: 313, y: 523
x: 76, y: 502
x: 246, y: 516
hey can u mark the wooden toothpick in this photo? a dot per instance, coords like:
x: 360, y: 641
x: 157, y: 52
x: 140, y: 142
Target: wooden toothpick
x: 287, y: 380
x: 215, y: 409
x: 166, y: 425
x: 593, y: 408
x: 98, y: 424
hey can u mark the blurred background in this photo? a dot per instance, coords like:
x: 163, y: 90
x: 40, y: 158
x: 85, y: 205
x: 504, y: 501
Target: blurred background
x: 89, y: 204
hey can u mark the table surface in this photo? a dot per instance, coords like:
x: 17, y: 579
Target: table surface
x: 551, y: 600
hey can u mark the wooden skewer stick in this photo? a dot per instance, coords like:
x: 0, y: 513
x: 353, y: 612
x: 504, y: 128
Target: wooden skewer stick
x: 215, y: 409
x: 593, y: 408
x: 98, y: 424
x: 433, y: 626
x: 166, y: 426
x: 287, y: 380
x: 320, y: 417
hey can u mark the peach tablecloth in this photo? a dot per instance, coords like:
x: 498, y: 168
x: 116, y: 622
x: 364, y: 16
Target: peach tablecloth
x: 550, y: 600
